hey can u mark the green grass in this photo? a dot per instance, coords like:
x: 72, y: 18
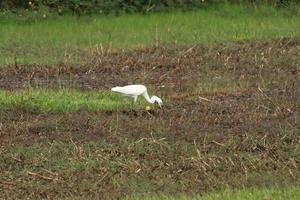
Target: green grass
x: 291, y: 193
x: 32, y: 39
x: 102, y: 156
x: 61, y: 101
x: 91, y: 170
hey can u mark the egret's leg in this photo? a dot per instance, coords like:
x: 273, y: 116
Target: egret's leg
x: 132, y: 104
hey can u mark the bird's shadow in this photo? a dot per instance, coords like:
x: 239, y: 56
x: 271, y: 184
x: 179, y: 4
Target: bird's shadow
x: 141, y: 113
x: 131, y: 112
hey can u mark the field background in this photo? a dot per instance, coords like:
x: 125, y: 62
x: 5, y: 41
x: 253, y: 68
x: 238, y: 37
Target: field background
x: 229, y: 76
x: 30, y: 38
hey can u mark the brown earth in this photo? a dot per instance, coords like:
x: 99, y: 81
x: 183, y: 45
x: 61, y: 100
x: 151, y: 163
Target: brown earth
x: 222, y: 103
x: 221, y: 87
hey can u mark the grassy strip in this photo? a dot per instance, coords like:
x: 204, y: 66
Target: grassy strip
x: 58, y: 38
x: 61, y: 101
x: 94, y: 169
x: 291, y: 193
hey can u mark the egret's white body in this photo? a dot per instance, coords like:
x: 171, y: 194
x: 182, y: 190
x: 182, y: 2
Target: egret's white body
x: 134, y: 91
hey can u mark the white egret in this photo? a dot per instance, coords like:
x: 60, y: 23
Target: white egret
x: 134, y: 91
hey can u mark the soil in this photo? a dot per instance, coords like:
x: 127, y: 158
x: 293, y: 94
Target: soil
x: 219, y: 89
x: 235, y: 98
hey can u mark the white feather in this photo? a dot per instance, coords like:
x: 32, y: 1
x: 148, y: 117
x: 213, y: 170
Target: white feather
x: 136, y: 90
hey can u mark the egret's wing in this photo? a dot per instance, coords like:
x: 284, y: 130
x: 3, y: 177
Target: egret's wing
x: 130, y: 90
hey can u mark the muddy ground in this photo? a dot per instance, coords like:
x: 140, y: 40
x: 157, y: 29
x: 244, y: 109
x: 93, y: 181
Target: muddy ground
x: 231, y: 118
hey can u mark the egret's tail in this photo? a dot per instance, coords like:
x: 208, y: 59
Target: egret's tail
x: 116, y: 89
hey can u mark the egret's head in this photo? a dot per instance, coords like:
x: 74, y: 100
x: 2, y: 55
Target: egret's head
x: 157, y: 100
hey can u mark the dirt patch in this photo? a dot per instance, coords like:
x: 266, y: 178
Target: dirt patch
x: 186, y: 119
x: 206, y: 90
x: 231, y: 118
x: 175, y: 69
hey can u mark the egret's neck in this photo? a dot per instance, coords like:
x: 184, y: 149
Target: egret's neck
x: 147, y: 97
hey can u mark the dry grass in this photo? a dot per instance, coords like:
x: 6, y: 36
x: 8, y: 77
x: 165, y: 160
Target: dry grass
x: 231, y: 119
